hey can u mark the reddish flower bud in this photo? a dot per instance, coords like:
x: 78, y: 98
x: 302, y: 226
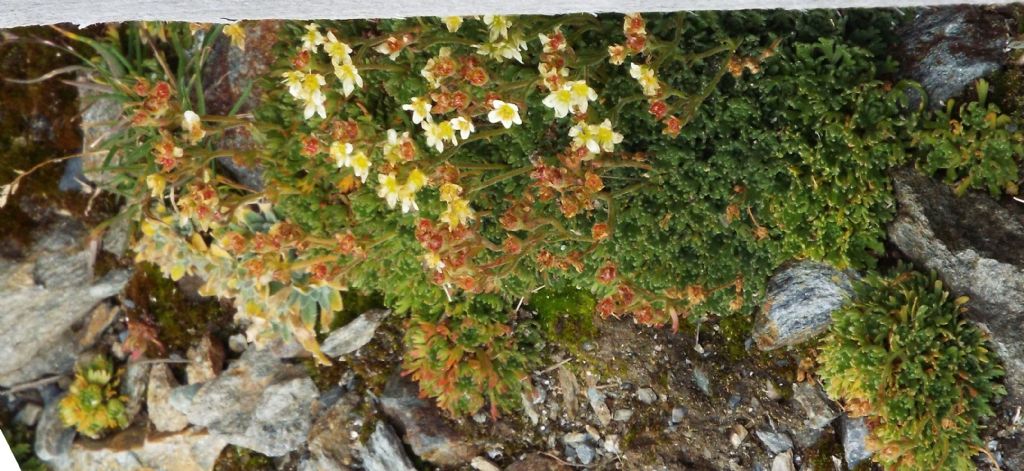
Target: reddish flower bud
x: 599, y: 232
x: 606, y: 274
x: 658, y: 108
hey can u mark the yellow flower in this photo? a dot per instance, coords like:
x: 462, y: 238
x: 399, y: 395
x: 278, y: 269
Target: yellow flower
x: 463, y: 125
x: 450, y: 192
x: 497, y: 25
x: 361, y: 165
x: 560, y: 100
x: 458, y: 214
x: 420, y: 108
x: 156, y: 184
x: 312, y: 38
x: 505, y: 49
x: 606, y: 136
x: 192, y: 125
x: 581, y: 94
x: 339, y: 51
x: 433, y: 261
x: 645, y: 75
x: 453, y: 23
x: 616, y: 54
x: 416, y: 179
x: 505, y: 113
x: 388, y: 188
x: 236, y: 32
x: 349, y: 76
x: 341, y: 152
x: 294, y: 80
x: 311, y: 84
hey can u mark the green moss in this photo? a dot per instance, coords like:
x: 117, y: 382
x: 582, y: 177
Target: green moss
x: 234, y: 458
x: 735, y: 330
x: 565, y: 316
x: 180, y: 319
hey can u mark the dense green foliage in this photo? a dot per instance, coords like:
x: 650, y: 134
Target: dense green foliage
x: 93, y: 405
x: 975, y: 146
x: 902, y: 355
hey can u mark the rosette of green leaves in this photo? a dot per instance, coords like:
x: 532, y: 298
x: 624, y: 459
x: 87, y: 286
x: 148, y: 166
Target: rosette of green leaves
x: 902, y: 355
x: 93, y: 405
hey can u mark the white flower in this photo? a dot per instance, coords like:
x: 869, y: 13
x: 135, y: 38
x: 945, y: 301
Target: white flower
x: 294, y: 79
x: 349, y: 76
x: 312, y: 38
x: 433, y: 261
x: 553, y: 43
x: 463, y: 125
x: 560, y: 100
x: 315, y: 105
x: 606, y: 136
x: 583, y: 136
x: 388, y: 188
x: 505, y: 113
x: 360, y: 165
x: 407, y: 195
x: 392, y: 148
x: 420, y: 108
x: 416, y: 179
x: 437, y: 133
x: 645, y: 75
x: 192, y: 125
x: 452, y: 23
x: 581, y: 94
x: 501, y: 50
x: 341, y: 152
x: 498, y: 26
x: 340, y: 52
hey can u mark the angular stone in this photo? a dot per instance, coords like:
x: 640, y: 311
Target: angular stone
x: 258, y: 403
x: 133, y: 387
x: 384, y: 451
x: 799, y: 303
x: 976, y: 245
x: 334, y: 437
x: 53, y: 438
x: 164, y: 417
x: 597, y: 403
x: 134, y: 449
x: 206, y: 360
x: 49, y: 295
x: 776, y: 442
x: 354, y: 335
x: 855, y: 436
x: 947, y: 49
x: 422, y: 425
x: 818, y: 411
x: 783, y: 462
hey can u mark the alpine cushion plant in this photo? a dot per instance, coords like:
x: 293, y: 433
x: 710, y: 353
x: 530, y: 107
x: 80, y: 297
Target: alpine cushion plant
x: 93, y: 405
x: 663, y: 165
x: 901, y: 355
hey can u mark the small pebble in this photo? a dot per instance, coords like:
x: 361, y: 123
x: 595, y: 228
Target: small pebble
x: 700, y: 378
x: 646, y: 395
x: 678, y: 414
x: 622, y: 415
x: 739, y: 433
x: 585, y: 454
x: 237, y: 343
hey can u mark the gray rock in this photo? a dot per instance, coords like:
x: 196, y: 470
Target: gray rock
x: 384, y: 451
x: 334, y: 437
x: 29, y: 414
x: 700, y: 378
x: 799, y: 303
x: 678, y: 414
x: 99, y: 115
x: 258, y: 403
x: 585, y: 453
x: 776, y: 442
x: 597, y: 403
x: 483, y: 464
x: 818, y: 413
x: 976, y: 245
x: 237, y: 343
x: 622, y: 415
x: 946, y: 49
x: 158, y: 394
x: 53, y: 438
x: 49, y: 295
x: 134, y: 448
x: 855, y: 436
x: 354, y: 335
x: 783, y: 462
x: 133, y: 386
x: 206, y: 360
x: 423, y: 427
x: 646, y: 395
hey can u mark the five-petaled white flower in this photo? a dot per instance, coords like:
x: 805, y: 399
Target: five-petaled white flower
x: 645, y: 75
x: 360, y: 165
x: 505, y: 113
x: 452, y: 23
x: 606, y: 136
x: 341, y: 152
x: 387, y: 188
x: 340, y: 52
x: 312, y: 37
x: 463, y: 125
x: 420, y: 108
x: 581, y: 94
x: 349, y: 76
x: 498, y: 26
x: 560, y: 100
x: 458, y: 213
x: 294, y: 79
x: 583, y: 136
x: 437, y: 133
